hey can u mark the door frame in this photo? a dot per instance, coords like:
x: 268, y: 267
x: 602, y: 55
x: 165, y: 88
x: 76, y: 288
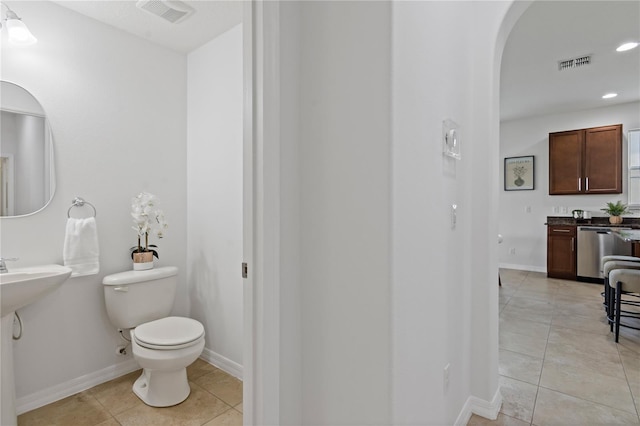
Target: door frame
x: 261, y: 212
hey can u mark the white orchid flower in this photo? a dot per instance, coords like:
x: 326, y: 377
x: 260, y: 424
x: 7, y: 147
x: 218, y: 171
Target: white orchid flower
x: 146, y: 219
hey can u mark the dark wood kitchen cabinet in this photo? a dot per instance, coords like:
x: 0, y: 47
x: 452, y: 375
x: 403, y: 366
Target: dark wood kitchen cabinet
x: 561, y: 252
x: 586, y: 161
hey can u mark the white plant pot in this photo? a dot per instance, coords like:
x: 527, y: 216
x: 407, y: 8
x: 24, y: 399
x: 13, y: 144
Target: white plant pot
x: 142, y: 261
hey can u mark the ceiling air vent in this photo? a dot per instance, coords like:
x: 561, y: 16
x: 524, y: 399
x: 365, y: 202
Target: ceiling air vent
x: 574, y: 63
x: 169, y: 10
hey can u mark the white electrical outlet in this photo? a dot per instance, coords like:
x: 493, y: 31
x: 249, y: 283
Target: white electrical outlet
x: 527, y: 209
x: 512, y: 250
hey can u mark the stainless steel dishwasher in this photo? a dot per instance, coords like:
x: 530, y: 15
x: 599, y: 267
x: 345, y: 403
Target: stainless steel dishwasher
x: 593, y: 243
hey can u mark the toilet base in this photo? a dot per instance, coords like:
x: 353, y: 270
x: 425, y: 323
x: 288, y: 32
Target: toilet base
x: 161, y: 388
x: 163, y: 382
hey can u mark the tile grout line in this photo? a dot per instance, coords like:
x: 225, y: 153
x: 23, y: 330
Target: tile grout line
x: 544, y: 356
x: 626, y: 376
x: 231, y: 407
x: 537, y: 386
x: 578, y: 304
x: 93, y: 400
x: 581, y: 398
x: 105, y: 409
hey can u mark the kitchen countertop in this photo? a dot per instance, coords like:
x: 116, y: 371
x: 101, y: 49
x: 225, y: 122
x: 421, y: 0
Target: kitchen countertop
x: 627, y: 222
x: 631, y: 236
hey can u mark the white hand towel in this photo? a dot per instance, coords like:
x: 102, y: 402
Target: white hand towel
x: 80, y: 252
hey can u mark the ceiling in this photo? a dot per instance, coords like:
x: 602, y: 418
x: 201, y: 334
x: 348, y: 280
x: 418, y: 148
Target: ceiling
x: 531, y: 84
x: 550, y: 31
x: 211, y: 19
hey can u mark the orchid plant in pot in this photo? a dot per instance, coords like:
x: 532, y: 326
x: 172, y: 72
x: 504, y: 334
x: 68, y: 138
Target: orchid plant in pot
x: 147, y: 219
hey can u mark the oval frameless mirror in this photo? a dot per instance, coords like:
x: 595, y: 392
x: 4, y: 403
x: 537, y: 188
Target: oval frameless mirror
x: 27, y: 179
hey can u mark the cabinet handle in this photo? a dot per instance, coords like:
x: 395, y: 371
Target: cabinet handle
x: 573, y: 248
x: 587, y: 185
x: 561, y: 230
x: 579, y: 184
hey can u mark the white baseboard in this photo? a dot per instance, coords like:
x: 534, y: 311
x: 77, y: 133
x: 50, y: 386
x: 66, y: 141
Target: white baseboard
x: 224, y: 364
x: 79, y: 384
x: 480, y: 407
x: 531, y: 268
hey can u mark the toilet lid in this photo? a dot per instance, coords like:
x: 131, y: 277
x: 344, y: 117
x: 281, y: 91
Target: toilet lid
x: 168, y: 332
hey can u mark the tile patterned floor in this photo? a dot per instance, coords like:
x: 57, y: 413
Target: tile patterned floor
x: 559, y: 364
x: 215, y: 400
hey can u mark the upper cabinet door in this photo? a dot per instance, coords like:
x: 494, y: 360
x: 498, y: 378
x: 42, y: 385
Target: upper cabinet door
x: 586, y: 161
x: 603, y: 160
x: 565, y: 162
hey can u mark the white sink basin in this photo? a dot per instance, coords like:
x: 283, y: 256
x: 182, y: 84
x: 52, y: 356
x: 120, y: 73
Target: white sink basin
x: 23, y: 286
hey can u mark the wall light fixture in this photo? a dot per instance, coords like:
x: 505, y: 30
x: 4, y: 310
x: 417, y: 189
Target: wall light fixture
x: 19, y: 34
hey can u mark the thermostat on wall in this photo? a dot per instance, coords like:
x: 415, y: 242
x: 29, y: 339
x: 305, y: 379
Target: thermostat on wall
x: 451, y: 139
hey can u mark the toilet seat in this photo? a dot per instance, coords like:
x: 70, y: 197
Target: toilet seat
x: 169, y: 333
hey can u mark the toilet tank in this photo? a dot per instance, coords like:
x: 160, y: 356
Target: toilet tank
x: 135, y: 297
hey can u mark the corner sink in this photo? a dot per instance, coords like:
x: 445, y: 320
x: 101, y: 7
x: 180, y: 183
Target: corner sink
x: 23, y: 286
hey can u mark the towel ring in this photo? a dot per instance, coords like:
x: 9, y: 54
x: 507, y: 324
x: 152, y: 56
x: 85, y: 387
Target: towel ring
x: 79, y: 202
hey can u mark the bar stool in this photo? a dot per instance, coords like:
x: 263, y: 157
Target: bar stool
x: 609, y: 258
x: 603, y: 261
x: 609, y: 291
x: 626, y: 281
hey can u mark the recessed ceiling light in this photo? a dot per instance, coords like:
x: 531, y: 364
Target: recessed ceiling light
x: 609, y: 95
x: 626, y: 46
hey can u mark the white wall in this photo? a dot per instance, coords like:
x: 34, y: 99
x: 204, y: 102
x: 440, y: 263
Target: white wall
x: 214, y: 192
x: 389, y: 292
x: 526, y: 232
x: 335, y: 196
x: 444, y: 278
x: 290, y: 379
x: 429, y: 254
x: 117, y: 108
x: 345, y: 212
x: 341, y: 146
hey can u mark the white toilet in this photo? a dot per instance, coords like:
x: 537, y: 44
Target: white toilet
x: 139, y: 301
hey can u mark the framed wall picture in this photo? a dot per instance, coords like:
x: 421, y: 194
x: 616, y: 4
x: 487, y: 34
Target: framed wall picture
x: 519, y: 173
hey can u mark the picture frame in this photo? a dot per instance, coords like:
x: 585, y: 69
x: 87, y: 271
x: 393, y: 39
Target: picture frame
x: 519, y: 173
